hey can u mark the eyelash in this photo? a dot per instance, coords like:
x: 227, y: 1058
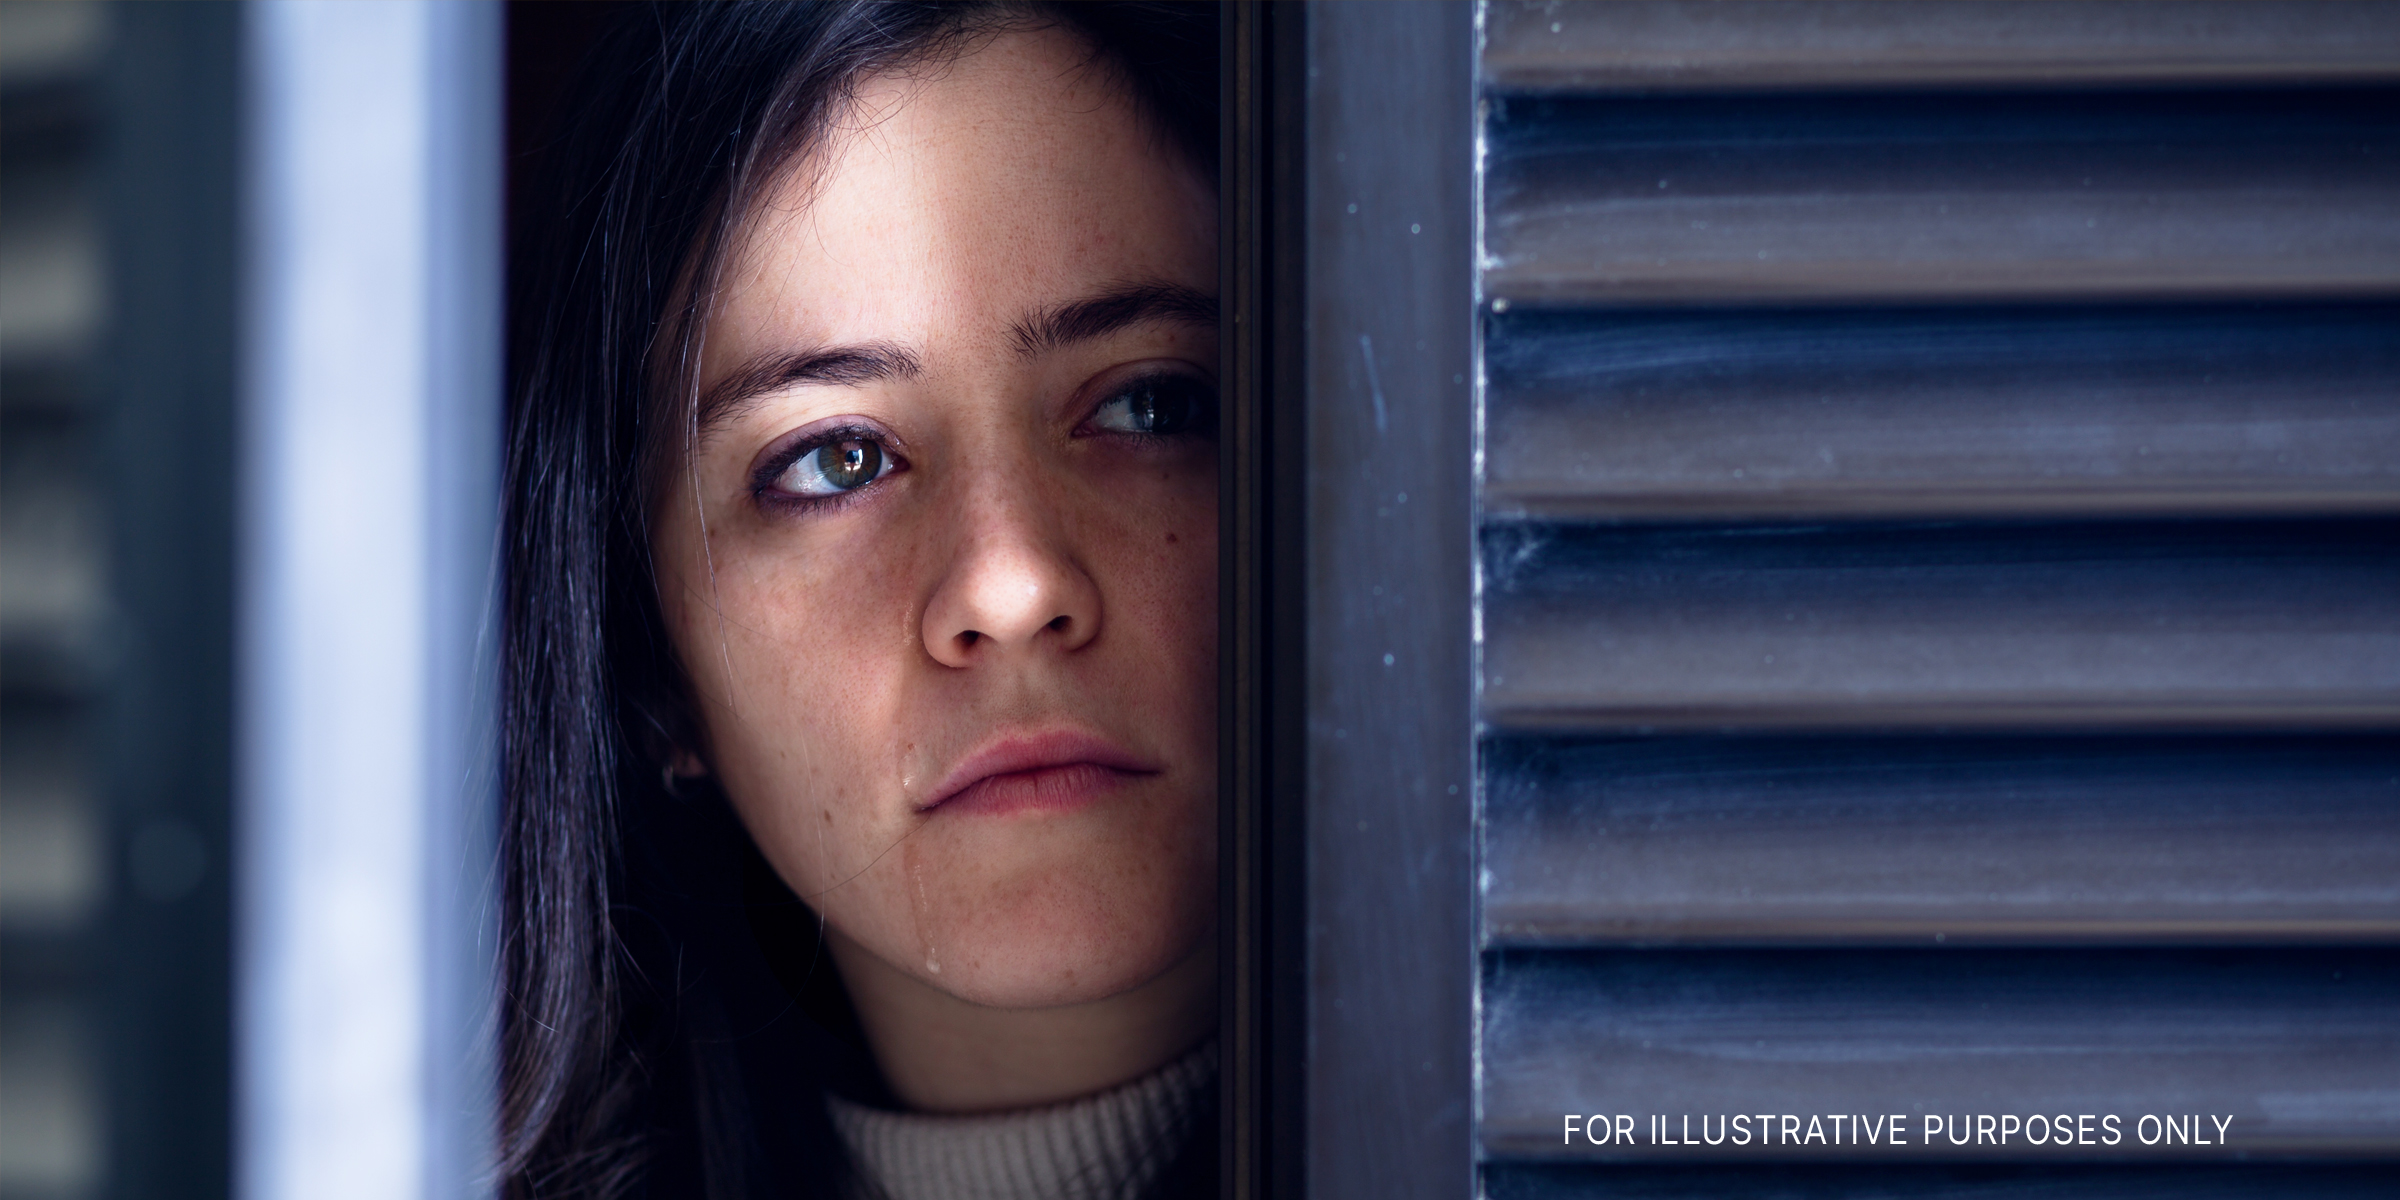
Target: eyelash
x: 1203, y: 423
x: 763, y: 480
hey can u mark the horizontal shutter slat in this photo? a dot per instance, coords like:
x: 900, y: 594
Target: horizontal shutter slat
x: 1854, y: 199
x: 1948, y: 1181
x: 1947, y: 412
x: 1947, y: 1032
x: 1938, y: 43
x: 1955, y: 840
x: 1936, y: 626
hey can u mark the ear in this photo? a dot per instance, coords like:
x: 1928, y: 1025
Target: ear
x: 681, y: 768
x: 664, y: 734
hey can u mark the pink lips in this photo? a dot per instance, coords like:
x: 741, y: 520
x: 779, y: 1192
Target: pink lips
x: 1045, y: 772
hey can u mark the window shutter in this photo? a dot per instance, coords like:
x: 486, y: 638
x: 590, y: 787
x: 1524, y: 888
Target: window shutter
x: 1939, y: 596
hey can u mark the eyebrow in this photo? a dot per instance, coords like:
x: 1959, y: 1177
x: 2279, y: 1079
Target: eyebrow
x: 841, y: 366
x: 1112, y: 310
x: 872, y: 362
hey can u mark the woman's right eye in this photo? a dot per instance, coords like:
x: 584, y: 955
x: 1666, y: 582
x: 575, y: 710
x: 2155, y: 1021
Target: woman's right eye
x: 835, y: 467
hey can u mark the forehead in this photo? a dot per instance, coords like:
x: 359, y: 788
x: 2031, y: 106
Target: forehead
x: 951, y: 200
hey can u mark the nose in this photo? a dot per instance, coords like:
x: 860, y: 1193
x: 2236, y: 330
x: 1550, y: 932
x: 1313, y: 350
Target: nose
x: 1011, y: 584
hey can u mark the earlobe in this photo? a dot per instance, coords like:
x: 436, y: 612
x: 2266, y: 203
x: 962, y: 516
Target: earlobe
x: 681, y: 770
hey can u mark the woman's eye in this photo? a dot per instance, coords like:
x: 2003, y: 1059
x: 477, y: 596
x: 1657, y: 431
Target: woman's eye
x: 834, y: 467
x: 1161, y: 405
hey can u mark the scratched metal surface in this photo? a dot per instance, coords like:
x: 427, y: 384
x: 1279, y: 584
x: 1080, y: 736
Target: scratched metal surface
x: 1906, y: 841
x: 2013, y: 625
x: 1849, y: 1181
x: 1383, y: 661
x: 1939, y: 483
x: 2293, y: 1047
x: 1966, y: 197
x: 1993, y: 411
x: 1752, y: 45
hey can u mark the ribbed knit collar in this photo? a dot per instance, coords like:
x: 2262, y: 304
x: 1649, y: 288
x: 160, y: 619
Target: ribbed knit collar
x: 1109, y: 1146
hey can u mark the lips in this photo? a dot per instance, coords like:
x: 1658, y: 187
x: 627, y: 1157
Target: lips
x: 1044, y: 772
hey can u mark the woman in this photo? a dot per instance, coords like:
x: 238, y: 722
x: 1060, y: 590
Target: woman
x: 860, y: 672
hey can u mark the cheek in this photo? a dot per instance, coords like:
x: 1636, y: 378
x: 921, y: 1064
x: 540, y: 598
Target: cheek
x: 1167, y: 559
x: 800, y: 662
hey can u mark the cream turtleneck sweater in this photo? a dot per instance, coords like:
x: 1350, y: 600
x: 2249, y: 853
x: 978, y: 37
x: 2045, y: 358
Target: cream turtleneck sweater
x: 1110, y: 1146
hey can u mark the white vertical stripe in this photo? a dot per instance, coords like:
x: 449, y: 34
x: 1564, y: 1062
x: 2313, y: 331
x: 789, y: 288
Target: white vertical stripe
x: 369, y: 425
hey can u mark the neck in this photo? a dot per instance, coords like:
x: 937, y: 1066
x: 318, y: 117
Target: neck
x: 941, y: 1054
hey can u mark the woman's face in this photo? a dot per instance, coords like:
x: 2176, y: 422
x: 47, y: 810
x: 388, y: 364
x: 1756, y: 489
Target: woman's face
x: 942, y: 563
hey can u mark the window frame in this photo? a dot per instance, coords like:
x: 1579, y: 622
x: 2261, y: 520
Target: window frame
x: 1347, y: 903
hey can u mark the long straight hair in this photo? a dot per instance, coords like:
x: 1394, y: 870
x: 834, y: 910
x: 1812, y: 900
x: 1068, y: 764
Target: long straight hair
x: 644, y: 944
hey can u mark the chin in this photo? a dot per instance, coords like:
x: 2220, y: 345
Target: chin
x: 1074, y: 935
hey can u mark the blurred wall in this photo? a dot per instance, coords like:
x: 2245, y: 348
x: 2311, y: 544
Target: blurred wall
x: 52, y: 584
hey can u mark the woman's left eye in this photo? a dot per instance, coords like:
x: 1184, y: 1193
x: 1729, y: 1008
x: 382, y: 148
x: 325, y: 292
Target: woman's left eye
x: 1160, y: 405
x: 831, y: 468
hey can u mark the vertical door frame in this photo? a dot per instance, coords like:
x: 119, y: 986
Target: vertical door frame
x: 1348, y: 608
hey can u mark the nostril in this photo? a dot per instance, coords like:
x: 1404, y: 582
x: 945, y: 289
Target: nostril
x: 1059, y: 625
x: 967, y: 640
